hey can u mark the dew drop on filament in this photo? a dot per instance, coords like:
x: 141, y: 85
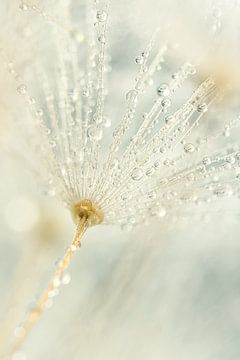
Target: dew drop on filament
x: 137, y: 174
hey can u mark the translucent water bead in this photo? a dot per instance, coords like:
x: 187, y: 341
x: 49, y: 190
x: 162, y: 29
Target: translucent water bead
x: 189, y: 148
x: 163, y: 90
x: 102, y: 39
x: 202, y: 108
x: 131, y: 96
x: 85, y: 92
x: 166, y: 103
x: 190, y: 69
x: 139, y: 59
x: 22, y: 89
x: 94, y: 133
x: 169, y: 119
x: 101, y: 16
x: 137, y: 174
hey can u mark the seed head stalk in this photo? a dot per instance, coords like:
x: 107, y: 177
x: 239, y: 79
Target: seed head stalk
x: 35, y: 315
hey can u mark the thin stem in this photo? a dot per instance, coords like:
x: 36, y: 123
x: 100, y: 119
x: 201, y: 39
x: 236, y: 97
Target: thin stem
x: 35, y: 315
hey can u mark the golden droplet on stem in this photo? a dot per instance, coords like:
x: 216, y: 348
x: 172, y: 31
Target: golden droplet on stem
x: 87, y: 209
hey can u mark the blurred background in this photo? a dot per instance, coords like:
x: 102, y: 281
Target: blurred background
x: 166, y: 290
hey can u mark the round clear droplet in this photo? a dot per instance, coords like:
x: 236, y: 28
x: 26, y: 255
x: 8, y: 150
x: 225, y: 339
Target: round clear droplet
x: 131, y: 96
x: 101, y: 16
x: 189, y: 148
x: 137, y: 174
x: 139, y: 60
x: 22, y: 89
x: 163, y: 90
x: 102, y: 39
x: 169, y: 119
x: 202, y: 108
x: 86, y: 93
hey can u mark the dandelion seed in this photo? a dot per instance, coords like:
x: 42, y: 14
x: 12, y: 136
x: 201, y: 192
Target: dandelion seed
x: 159, y: 171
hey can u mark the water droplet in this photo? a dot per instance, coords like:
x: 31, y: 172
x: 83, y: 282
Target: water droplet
x: 39, y: 113
x: 101, y: 15
x: 47, y: 131
x: 230, y: 159
x: 66, y: 279
x: 163, y: 90
x: 169, y: 119
x: 137, y: 174
x: 206, y: 161
x: 166, y: 103
x: 102, y: 39
x: 139, y: 60
x: 114, y: 164
x: 31, y: 100
x: 226, y: 133
x: 131, y: 96
x: 90, y: 132
x: 53, y: 144
x: 94, y: 133
x: 97, y: 118
x: 189, y: 148
x: 202, y: 108
x: 85, y: 93
x: 152, y: 194
x: 175, y: 76
x: 190, y: 69
x: 157, y: 164
x: 22, y: 89
x: 166, y: 162
x: 238, y: 155
x: 132, y: 219
x: 150, y: 171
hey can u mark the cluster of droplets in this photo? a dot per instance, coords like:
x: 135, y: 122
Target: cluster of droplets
x: 71, y: 140
x: 153, y: 195
x: 162, y: 170
x: 162, y: 165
